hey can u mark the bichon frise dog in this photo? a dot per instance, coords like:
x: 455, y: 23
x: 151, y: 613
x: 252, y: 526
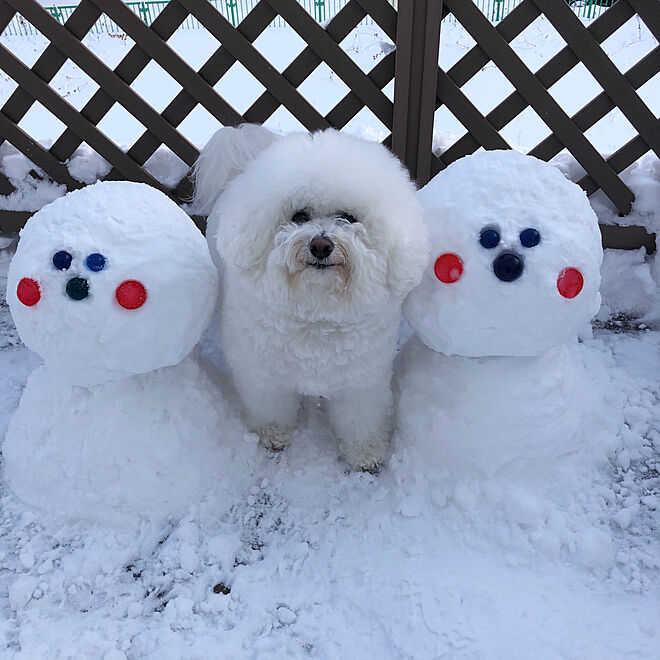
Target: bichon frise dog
x: 320, y: 238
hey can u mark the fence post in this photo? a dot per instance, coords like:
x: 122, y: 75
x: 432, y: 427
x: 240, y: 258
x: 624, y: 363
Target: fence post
x: 415, y: 84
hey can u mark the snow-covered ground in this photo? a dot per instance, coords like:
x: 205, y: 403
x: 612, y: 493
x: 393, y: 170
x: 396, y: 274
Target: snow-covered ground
x: 290, y: 556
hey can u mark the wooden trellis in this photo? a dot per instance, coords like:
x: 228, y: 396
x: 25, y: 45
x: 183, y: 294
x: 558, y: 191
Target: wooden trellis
x: 421, y: 86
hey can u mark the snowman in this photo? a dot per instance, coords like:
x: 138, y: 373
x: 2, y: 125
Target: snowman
x: 494, y: 382
x: 112, y: 286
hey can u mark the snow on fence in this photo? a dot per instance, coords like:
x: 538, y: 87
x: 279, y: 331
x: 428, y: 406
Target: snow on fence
x: 421, y: 87
x: 236, y: 10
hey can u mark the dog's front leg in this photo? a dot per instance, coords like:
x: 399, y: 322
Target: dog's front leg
x: 362, y: 420
x: 269, y: 411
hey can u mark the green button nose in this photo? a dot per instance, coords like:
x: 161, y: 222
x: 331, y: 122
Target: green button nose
x: 77, y: 288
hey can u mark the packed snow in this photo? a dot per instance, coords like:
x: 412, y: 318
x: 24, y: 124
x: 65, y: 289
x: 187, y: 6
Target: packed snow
x: 112, y: 286
x: 517, y: 269
x: 291, y: 555
x: 112, y: 262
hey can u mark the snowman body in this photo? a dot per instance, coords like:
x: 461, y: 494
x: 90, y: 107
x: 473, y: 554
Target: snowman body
x: 494, y: 381
x: 145, y: 446
x: 112, y: 286
x: 515, y: 417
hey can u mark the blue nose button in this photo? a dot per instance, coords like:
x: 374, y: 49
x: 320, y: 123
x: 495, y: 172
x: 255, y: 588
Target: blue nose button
x: 508, y: 266
x: 77, y: 288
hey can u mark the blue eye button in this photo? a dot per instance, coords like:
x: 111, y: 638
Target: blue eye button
x: 62, y: 260
x: 489, y: 238
x: 95, y: 262
x: 529, y: 237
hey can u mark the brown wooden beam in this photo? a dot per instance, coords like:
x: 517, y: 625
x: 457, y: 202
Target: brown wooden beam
x: 416, y: 80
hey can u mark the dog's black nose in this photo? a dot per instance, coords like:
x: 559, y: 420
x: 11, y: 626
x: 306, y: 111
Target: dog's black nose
x: 508, y: 266
x: 321, y: 247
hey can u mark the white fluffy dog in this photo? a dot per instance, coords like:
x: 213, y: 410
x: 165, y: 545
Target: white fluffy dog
x: 320, y: 238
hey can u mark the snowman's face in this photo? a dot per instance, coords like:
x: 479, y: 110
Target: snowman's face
x: 111, y: 281
x: 515, y: 266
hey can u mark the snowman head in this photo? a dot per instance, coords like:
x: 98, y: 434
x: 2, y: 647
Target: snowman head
x: 516, y: 254
x: 110, y: 281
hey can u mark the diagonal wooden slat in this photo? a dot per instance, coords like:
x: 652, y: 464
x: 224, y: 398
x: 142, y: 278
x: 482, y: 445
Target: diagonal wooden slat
x: 295, y: 73
x: 558, y: 66
x: 170, y: 61
x: 51, y: 60
x: 255, y: 63
x: 381, y: 75
x: 598, y: 107
x: 130, y: 67
x: 67, y: 114
x: 601, y: 67
x: 447, y: 89
x: 633, y: 150
x: 306, y: 62
x: 36, y: 153
x: 6, y: 15
x: 332, y: 54
x: 384, y: 15
x: 499, y: 51
x: 105, y: 77
x: 648, y: 12
x: 211, y: 71
x: 478, y: 126
x: 475, y: 59
x: 13, y: 221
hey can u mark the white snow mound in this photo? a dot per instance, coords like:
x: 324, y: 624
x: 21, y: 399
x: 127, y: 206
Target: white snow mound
x: 120, y: 451
x: 118, y: 425
x: 478, y: 314
x: 144, y: 237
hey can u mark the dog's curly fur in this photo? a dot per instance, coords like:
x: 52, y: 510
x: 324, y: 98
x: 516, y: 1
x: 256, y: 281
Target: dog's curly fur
x: 297, y: 324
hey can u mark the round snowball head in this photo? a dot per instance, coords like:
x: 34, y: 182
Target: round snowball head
x: 515, y: 261
x: 110, y: 281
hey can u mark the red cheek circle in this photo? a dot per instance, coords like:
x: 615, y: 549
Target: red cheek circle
x: 570, y: 282
x: 131, y: 294
x: 448, y: 268
x: 28, y: 292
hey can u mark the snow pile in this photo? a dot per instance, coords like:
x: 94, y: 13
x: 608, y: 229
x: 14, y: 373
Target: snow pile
x: 511, y: 238
x: 289, y: 556
x: 30, y: 192
x: 631, y: 278
x: 500, y: 412
x: 113, y: 286
x: 133, y: 233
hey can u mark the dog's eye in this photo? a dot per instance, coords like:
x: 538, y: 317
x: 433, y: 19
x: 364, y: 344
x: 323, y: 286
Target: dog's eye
x: 346, y: 216
x: 300, y: 217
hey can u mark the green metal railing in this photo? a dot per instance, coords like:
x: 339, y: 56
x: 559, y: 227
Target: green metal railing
x: 236, y: 10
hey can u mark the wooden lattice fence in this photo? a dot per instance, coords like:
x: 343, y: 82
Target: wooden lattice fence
x: 420, y: 86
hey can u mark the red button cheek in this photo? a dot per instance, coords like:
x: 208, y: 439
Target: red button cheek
x: 28, y: 292
x: 448, y: 268
x: 131, y: 294
x: 570, y: 282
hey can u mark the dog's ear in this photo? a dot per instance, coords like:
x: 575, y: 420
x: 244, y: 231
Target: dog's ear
x: 223, y: 158
x: 409, y: 256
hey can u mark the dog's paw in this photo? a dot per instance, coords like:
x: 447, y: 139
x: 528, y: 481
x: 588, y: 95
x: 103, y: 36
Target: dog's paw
x: 274, y: 438
x: 367, y: 458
